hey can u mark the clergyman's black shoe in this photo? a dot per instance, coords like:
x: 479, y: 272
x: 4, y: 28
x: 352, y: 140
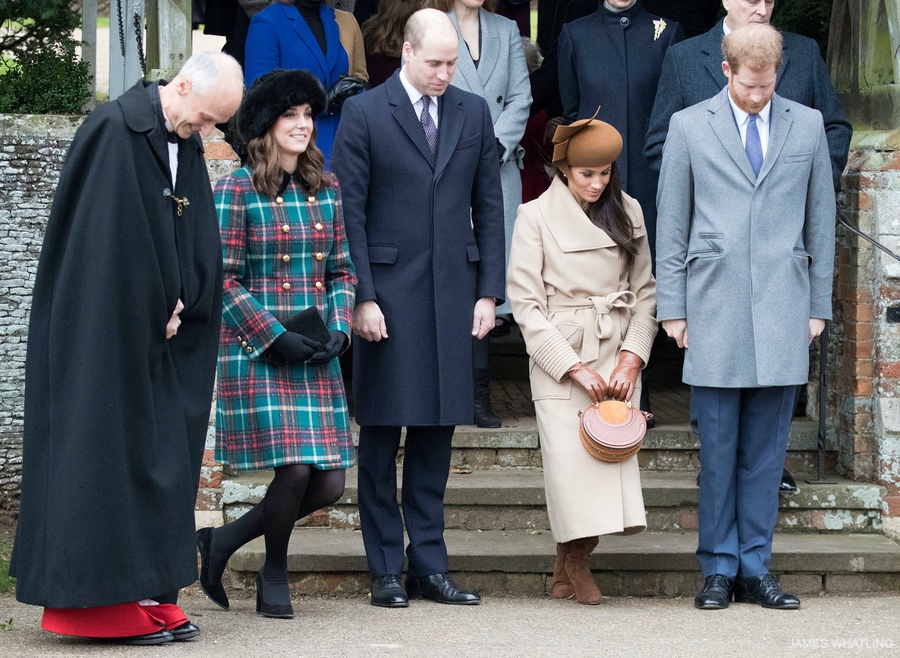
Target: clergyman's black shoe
x: 764, y: 590
x: 187, y: 631
x: 716, y: 593
x: 159, y: 637
x: 439, y: 587
x: 788, y: 485
x: 387, y: 592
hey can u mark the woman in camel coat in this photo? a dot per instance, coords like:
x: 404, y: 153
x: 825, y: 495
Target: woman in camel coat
x: 582, y: 291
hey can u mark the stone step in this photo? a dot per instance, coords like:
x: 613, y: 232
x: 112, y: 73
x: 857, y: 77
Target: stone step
x: 511, y: 499
x: 648, y: 564
x: 666, y: 447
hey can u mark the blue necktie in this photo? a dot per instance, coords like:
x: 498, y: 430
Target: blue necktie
x: 753, y: 146
x: 428, y: 124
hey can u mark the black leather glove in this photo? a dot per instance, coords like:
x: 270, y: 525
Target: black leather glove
x: 331, y: 349
x: 344, y: 88
x: 500, y: 151
x: 291, y: 347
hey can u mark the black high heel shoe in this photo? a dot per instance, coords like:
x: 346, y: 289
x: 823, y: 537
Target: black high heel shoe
x: 276, y: 602
x: 216, y: 593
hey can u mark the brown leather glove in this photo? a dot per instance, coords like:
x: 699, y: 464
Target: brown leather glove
x: 589, y: 381
x: 624, y: 376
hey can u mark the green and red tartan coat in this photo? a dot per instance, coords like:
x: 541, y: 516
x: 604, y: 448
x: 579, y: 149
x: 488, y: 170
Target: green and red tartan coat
x: 281, y: 256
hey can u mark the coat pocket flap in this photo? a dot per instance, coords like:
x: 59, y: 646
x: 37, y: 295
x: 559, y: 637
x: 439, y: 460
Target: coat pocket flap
x: 472, y: 252
x: 383, y: 253
x: 797, y: 157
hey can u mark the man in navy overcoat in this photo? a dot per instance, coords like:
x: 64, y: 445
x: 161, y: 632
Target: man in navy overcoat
x: 692, y: 72
x: 417, y: 162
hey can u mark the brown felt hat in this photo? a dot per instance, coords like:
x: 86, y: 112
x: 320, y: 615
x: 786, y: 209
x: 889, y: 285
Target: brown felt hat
x: 585, y: 143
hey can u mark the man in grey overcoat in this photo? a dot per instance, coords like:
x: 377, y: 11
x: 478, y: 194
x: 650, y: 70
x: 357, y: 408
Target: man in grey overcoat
x: 744, y: 275
x: 417, y: 161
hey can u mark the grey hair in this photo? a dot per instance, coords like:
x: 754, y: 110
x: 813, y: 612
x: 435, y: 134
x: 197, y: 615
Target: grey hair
x: 204, y: 69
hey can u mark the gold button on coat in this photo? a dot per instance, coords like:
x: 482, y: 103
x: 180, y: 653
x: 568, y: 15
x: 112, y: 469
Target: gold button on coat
x: 311, y: 199
x: 319, y: 226
x: 286, y: 286
x: 249, y: 349
x: 278, y: 199
x: 318, y: 285
x: 286, y: 228
x: 320, y: 256
x: 286, y: 258
x: 244, y: 343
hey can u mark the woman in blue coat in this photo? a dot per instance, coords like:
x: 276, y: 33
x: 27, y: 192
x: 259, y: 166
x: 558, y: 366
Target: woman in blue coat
x: 306, y: 34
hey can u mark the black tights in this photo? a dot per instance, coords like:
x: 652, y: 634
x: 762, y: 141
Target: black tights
x: 296, y: 491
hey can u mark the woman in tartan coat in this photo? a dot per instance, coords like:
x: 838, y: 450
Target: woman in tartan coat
x: 281, y: 401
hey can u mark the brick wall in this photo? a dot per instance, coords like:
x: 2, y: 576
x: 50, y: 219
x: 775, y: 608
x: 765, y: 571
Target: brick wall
x: 32, y: 149
x: 865, y: 346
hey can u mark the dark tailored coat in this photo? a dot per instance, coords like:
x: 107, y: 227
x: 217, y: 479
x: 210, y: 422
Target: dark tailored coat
x: 116, y: 415
x: 613, y: 61
x: 279, y: 37
x: 692, y: 72
x: 416, y: 251
x: 295, y: 413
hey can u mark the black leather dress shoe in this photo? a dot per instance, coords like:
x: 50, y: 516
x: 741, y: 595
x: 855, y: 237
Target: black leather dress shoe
x: 764, y: 590
x: 387, y: 592
x: 216, y: 593
x: 716, y: 593
x: 159, y: 637
x: 788, y: 484
x: 187, y: 631
x: 439, y: 587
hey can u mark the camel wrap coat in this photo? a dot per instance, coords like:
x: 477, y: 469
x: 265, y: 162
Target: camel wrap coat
x: 576, y: 302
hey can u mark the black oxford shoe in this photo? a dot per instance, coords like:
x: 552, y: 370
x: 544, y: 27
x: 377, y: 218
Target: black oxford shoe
x: 187, y: 631
x: 788, y: 484
x: 159, y: 637
x: 439, y: 587
x: 388, y: 593
x: 716, y: 593
x: 766, y: 591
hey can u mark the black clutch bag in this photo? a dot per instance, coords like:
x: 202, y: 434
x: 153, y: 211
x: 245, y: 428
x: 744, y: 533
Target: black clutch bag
x: 308, y: 322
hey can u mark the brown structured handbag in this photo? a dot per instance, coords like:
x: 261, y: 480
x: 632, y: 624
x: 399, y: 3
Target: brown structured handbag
x: 612, y: 431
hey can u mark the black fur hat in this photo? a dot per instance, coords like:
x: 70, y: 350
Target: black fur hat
x: 275, y: 92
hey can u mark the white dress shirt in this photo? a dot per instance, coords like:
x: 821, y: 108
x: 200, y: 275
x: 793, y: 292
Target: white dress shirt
x: 762, y: 123
x: 416, y: 99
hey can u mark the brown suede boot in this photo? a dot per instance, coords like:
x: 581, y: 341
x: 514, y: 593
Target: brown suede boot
x: 562, y: 586
x: 578, y: 567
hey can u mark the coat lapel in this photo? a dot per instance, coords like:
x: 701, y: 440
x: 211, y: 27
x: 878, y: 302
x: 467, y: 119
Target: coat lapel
x: 301, y: 29
x: 721, y: 120
x: 490, y: 47
x: 779, y: 126
x: 711, y: 48
x: 568, y: 224
x: 452, y: 117
x: 465, y: 67
x: 405, y: 115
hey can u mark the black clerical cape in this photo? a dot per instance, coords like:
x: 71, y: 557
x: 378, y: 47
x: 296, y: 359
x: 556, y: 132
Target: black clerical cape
x: 116, y: 415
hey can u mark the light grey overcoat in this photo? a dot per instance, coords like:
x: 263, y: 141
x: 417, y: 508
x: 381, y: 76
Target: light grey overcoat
x: 502, y: 80
x: 748, y: 261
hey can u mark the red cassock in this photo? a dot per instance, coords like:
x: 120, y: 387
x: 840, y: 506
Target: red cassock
x: 120, y: 620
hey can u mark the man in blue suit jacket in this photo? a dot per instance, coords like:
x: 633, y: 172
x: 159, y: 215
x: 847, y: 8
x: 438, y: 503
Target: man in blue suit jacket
x: 417, y: 162
x: 692, y: 72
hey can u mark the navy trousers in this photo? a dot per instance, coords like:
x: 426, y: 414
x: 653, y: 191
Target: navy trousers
x: 744, y: 434
x: 426, y: 466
